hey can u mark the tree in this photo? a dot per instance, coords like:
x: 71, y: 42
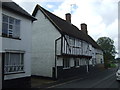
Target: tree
x: 108, y: 47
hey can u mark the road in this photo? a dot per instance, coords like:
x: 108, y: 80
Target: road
x: 104, y: 79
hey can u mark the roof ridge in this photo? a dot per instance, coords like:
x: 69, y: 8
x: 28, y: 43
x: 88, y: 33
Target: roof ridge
x: 40, y: 7
x: 55, y: 15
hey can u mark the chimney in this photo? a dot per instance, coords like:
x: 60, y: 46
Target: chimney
x: 84, y: 28
x: 68, y: 17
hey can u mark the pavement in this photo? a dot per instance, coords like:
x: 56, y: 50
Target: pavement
x: 41, y: 82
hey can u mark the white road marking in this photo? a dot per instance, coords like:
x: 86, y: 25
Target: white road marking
x: 65, y: 83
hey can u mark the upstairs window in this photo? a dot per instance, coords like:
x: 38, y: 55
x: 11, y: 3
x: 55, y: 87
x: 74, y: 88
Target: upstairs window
x: 10, y: 27
x: 72, y: 41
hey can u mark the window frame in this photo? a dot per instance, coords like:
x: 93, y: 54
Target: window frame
x: 10, y: 32
x: 77, y: 62
x: 8, y: 64
x: 66, y: 63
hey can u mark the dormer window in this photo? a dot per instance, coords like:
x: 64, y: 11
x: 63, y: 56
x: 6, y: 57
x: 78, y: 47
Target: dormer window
x: 10, y: 27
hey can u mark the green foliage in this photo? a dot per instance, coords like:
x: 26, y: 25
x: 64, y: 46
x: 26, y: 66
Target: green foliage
x: 113, y: 65
x: 108, y: 47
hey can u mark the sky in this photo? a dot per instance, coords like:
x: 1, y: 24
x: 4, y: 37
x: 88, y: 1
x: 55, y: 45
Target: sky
x: 101, y: 16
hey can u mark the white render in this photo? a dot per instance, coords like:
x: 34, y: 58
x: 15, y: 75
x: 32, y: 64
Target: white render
x: 0, y: 29
x: 20, y: 45
x: 0, y: 49
x: 43, y: 46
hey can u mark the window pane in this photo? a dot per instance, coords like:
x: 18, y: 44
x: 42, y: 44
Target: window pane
x: 66, y: 63
x: 6, y: 58
x: 22, y: 59
x: 4, y: 28
x: 10, y: 32
x: 5, y: 18
x: 10, y: 26
x: 16, y: 32
x: 11, y: 20
x: 15, y: 58
x: 17, y: 22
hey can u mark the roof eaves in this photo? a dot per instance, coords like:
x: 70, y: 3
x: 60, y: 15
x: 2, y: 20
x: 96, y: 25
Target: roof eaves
x: 26, y: 14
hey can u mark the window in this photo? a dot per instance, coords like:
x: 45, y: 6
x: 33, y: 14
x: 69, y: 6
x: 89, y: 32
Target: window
x: 76, y: 62
x: 66, y: 63
x: 10, y: 27
x: 14, y: 62
x: 76, y: 43
x: 72, y: 41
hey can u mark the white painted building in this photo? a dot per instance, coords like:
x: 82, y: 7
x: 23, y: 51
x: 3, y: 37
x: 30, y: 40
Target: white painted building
x: 119, y: 29
x: 15, y: 37
x: 60, y: 49
x: 0, y: 49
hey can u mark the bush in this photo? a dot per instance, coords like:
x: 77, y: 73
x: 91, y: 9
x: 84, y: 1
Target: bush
x: 112, y: 65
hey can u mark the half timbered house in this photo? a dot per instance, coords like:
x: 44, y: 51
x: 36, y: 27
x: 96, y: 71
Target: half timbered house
x: 60, y: 49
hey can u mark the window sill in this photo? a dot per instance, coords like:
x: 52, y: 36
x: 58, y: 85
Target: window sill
x: 11, y: 37
x: 14, y: 73
x: 67, y: 68
x: 77, y: 66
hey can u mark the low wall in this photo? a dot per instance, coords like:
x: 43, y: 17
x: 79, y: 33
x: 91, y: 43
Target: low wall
x: 17, y: 83
x: 75, y: 71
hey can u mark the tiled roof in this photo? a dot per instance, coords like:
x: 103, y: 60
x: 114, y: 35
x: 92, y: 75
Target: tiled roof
x: 66, y: 28
x: 13, y: 7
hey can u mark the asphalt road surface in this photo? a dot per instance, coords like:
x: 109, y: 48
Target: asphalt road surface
x: 104, y: 79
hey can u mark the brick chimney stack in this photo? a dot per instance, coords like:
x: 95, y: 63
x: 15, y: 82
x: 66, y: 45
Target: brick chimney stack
x: 68, y: 17
x: 84, y: 28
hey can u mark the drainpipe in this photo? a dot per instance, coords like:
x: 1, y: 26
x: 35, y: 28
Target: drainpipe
x: 56, y: 57
x: 87, y: 66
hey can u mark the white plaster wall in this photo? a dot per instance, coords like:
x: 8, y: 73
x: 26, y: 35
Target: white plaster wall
x: 0, y: 28
x: 44, y: 35
x: 60, y: 62
x: 24, y: 44
x: 0, y: 47
x: 71, y: 62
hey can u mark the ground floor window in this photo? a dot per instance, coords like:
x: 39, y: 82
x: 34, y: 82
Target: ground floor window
x: 82, y: 61
x: 14, y: 62
x: 76, y: 62
x: 66, y: 62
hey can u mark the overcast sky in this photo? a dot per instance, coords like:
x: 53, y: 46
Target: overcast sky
x: 101, y: 16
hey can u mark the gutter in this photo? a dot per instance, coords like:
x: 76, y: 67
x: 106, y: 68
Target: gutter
x: 56, y: 56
